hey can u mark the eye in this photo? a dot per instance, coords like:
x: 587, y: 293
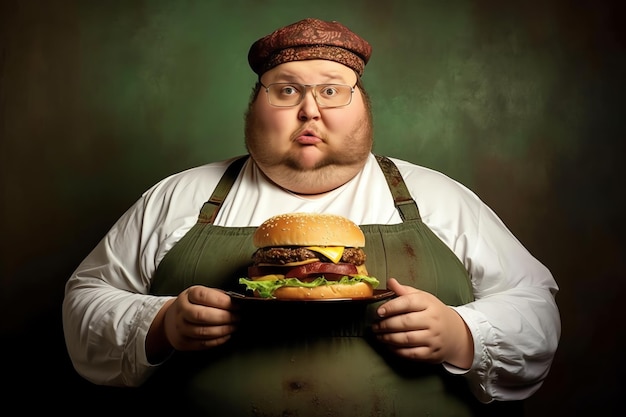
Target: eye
x: 289, y: 90
x: 329, y: 91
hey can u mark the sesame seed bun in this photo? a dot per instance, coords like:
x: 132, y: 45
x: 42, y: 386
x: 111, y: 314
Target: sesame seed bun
x: 308, y: 229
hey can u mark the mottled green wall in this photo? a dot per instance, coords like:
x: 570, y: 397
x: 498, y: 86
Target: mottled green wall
x: 519, y: 100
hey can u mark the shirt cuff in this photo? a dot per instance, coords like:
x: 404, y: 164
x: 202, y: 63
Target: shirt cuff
x: 480, y: 373
x: 135, y: 362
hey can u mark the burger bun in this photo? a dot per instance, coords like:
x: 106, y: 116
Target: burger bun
x: 308, y: 229
x: 329, y: 292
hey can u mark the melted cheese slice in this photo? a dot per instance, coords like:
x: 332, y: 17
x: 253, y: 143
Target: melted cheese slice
x: 271, y: 277
x: 333, y: 253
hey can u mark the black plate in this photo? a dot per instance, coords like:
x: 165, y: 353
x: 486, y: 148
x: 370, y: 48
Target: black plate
x: 379, y: 295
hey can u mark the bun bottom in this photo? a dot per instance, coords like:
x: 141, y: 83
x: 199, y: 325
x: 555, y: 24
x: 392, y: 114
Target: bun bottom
x: 325, y: 292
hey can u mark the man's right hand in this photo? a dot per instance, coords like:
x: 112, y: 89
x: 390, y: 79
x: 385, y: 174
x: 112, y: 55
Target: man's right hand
x: 199, y: 318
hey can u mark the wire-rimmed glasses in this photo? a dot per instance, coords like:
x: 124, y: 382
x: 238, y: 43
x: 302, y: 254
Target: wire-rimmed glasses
x: 292, y: 94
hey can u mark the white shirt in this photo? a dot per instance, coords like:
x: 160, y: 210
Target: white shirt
x: 514, y: 319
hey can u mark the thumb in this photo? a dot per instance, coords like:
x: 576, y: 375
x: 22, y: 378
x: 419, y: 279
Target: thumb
x: 399, y: 289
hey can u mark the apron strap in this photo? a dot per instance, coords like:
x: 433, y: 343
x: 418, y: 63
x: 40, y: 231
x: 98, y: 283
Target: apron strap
x: 402, y: 198
x: 209, y: 210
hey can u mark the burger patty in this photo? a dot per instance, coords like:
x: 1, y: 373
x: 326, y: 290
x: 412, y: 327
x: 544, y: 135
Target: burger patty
x: 284, y: 255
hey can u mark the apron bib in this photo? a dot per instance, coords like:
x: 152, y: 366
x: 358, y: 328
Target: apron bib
x: 308, y: 358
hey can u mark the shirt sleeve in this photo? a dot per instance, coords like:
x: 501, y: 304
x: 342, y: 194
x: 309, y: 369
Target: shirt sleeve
x: 107, y: 309
x: 514, y: 319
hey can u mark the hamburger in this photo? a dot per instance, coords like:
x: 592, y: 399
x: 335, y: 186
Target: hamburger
x: 304, y: 256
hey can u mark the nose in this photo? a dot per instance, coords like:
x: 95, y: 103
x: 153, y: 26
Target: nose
x: 308, y: 107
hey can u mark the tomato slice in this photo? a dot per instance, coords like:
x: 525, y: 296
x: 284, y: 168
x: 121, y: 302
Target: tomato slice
x: 329, y: 270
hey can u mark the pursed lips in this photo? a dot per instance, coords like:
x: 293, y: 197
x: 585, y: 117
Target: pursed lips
x: 307, y: 137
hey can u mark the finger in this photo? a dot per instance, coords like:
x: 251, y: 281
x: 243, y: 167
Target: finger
x: 209, y: 297
x: 415, y: 344
x: 412, y: 302
x: 419, y: 353
x: 200, y: 344
x: 201, y: 316
x: 395, y: 286
x: 190, y: 335
x: 201, y: 306
x: 215, y: 342
x: 410, y: 322
x: 204, y: 333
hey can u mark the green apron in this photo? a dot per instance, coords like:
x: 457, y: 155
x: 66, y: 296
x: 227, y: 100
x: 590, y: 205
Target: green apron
x: 308, y: 358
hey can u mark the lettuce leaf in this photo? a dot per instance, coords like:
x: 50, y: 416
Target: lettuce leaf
x: 266, y: 288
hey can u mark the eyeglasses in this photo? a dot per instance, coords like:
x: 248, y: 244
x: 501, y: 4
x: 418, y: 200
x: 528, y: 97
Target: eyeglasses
x: 292, y: 94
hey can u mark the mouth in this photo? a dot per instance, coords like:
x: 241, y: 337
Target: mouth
x: 308, y: 137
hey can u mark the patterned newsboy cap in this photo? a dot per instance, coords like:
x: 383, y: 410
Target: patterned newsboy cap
x: 310, y: 39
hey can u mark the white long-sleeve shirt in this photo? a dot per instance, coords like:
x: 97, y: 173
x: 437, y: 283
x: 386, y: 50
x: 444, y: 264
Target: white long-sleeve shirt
x: 514, y: 320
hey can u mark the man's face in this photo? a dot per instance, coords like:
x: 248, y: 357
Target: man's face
x: 308, y: 138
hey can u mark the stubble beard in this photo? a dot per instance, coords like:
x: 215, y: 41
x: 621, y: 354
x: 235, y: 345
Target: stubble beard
x: 332, y: 171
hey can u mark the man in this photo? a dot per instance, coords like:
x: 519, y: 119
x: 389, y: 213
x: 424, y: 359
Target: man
x: 148, y: 308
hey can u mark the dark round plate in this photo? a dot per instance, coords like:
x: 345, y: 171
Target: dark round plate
x: 379, y: 295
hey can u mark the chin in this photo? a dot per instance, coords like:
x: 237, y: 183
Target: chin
x: 307, y: 160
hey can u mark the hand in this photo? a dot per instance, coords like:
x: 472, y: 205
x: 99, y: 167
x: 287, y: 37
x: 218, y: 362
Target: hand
x: 417, y: 325
x: 199, y: 318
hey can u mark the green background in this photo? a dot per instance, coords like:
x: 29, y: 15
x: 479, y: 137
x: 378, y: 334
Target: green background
x: 522, y: 101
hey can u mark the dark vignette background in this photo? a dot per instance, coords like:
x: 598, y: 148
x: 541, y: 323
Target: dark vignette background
x: 519, y: 100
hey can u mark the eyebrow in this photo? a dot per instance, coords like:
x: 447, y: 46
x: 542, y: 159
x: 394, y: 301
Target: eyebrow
x: 331, y: 78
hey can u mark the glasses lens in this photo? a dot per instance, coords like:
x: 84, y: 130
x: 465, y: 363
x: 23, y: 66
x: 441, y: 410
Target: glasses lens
x: 326, y: 95
x: 333, y: 95
x: 285, y: 95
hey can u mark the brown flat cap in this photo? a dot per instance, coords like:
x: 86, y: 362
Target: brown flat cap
x: 310, y: 39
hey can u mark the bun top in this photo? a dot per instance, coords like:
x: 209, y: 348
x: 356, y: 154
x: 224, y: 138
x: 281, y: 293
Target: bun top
x: 308, y: 229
